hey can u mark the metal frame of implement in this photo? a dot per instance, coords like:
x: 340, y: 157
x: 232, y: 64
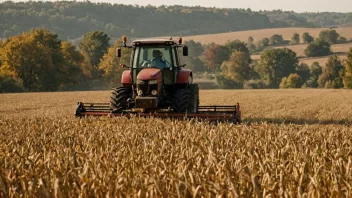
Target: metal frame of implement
x: 210, y: 113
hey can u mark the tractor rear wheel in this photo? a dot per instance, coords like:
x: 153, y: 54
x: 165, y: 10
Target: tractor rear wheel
x: 118, y: 98
x: 186, y: 100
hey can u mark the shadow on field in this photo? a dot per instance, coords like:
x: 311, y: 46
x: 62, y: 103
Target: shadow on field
x: 296, y: 121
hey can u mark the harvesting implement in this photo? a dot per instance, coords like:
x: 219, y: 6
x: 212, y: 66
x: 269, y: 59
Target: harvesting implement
x: 157, y: 85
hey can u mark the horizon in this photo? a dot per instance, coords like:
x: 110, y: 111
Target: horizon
x: 340, y: 6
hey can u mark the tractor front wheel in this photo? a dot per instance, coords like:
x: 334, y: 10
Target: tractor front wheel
x: 186, y: 100
x: 118, y: 98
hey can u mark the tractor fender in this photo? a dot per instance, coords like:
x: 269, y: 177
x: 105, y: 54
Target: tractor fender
x: 126, y: 78
x: 184, y: 76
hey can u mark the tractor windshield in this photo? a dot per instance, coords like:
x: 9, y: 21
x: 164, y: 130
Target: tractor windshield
x: 153, y: 56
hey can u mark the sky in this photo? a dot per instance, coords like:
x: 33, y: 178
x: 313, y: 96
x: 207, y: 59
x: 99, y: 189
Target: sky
x: 255, y: 5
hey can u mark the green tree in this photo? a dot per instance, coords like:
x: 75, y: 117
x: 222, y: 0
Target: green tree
x: 307, y: 38
x: 250, y: 39
x: 295, y: 39
x: 315, y: 71
x: 317, y: 48
x: 214, y: 55
x: 329, y: 36
x: 274, y: 64
x: 237, y: 68
x: 71, y: 71
x: 276, y: 39
x: 195, y: 64
x: 238, y: 46
x: 34, y: 60
x: 347, y: 77
x: 226, y: 83
x: 93, y: 47
x: 194, y: 48
x: 332, y: 73
x: 110, y: 64
x: 263, y: 43
x: 292, y: 81
x: 303, y: 71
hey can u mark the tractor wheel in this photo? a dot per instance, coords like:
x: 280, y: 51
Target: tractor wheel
x: 186, y: 100
x: 118, y: 98
x: 194, y: 99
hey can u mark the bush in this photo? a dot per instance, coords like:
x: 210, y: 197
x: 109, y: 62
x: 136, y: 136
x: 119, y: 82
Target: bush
x: 307, y: 38
x: 226, y: 83
x: 292, y: 81
x: 341, y: 40
x: 254, y: 84
x: 276, y: 39
x: 317, y: 48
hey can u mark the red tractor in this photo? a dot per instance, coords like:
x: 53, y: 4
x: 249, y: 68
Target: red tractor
x: 157, y: 84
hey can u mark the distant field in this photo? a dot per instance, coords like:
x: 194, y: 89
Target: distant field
x: 299, y: 49
x: 287, y: 33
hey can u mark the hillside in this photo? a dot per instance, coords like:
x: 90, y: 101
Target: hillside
x: 72, y: 19
x: 287, y: 33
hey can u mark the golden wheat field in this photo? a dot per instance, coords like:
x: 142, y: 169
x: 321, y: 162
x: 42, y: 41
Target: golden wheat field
x: 257, y: 35
x: 292, y: 143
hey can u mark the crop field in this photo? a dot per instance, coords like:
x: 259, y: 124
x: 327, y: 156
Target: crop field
x: 257, y: 35
x: 292, y: 143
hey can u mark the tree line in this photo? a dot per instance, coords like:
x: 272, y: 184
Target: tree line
x: 276, y: 68
x: 71, y: 19
x: 39, y: 61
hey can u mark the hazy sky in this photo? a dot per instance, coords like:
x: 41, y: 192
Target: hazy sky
x: 295, y: 5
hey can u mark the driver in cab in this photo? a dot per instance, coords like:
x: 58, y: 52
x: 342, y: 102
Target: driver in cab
x: 158, y: 60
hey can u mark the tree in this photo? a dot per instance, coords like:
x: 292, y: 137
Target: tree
x: 194, y: 63
x: 329, y: 36
x: 225, y: 83
x: 263, y: 43
x: 34, y: 60
x: 274, y: 64
x: 347, y: 77
x: 295, y: 39
x: 292, y: 81
x: 72, y: 67
x: 315, y: 71
x: 237, y: 68
x: 110, y: 64
x: 317, y: 48
x: 93, y: 47
x: 250, y: 39
x: 238, y: 46
x: 307, y: 38
x: 332, y: 72
x: 276, y: 39
x: 303, y: 71
x: 214, y: 55
x: 194, y: 48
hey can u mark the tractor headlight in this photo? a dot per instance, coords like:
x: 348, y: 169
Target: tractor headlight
x: 153, y: 82
x: 154, y: 92
x: 140, y: 92
x: 140, y: 82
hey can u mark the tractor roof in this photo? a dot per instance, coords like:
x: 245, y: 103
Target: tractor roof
x: 153, y: 41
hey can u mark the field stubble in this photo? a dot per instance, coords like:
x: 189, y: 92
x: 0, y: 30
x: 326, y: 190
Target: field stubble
x: 46, y: 152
